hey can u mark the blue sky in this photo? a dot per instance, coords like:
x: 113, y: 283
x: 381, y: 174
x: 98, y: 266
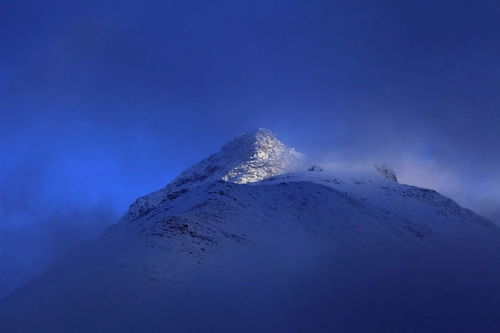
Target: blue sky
x: 104, y: 101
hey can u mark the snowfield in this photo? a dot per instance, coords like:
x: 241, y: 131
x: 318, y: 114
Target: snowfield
x: 249, y: 240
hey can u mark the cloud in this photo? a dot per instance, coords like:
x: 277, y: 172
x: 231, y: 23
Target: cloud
x: 474, y: 191
x: 100, y: 104
x: 34, y: 229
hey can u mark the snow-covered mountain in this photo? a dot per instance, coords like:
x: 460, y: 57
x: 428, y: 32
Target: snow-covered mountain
x: 249, y: 240
x: 248, y: 158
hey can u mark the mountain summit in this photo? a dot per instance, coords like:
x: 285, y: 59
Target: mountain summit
x: 248, y: 158
x: 247, y: 241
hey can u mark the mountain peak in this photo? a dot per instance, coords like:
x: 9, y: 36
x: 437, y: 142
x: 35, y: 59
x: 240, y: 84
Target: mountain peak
x: 246, y: 144
x: 257, y: 155
x: 250, y: 157
x: 260, y: 133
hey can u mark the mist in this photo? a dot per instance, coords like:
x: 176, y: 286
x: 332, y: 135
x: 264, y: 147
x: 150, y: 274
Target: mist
x: 308, y: 286
x: 100, y: 103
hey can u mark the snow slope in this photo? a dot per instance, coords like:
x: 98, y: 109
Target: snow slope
x: 239, y: 242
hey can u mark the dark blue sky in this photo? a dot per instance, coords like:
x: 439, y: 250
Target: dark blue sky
x: 103, y: 101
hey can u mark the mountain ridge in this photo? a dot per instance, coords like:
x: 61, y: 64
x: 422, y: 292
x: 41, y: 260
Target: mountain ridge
x: 250, y: 157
